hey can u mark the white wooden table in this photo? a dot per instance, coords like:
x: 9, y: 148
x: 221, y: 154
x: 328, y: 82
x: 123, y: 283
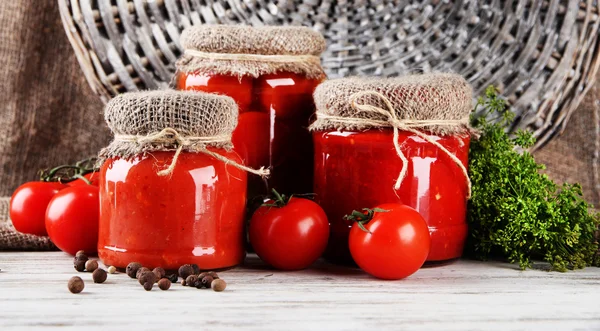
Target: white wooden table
x: 466, y: 295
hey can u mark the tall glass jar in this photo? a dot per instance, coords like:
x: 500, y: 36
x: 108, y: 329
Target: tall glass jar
x: 172, y: 191
x: 271, y: 72
x: 398, y: 140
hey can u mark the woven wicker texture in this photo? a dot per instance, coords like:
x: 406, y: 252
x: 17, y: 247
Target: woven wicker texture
x: 435, y: 101
x: 208, y: 119
x: 543, y: 55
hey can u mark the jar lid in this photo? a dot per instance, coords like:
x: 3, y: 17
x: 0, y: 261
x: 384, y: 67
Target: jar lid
x: 437, y: 102
x: 202, y: 119
x: 241, y: 50
x: 244, y: 39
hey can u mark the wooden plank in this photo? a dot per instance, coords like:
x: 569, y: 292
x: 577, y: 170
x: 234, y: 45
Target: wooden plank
x: 466, y: 295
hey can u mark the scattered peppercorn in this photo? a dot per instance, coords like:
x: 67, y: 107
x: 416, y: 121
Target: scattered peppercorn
x: 173, y: 278
x: 141, y: 271
x: 148, y: 286
x: 159, y: 272
x: 79, y: 265
x: 183, y: 283
x: 199, y: 284
x: 195, y: 268
x: 207, y: 281
x: 76, y: 284
x: 81, y: 255
x: 112, y: 269
x: 191, y: 280
x: 132, y: 269
x: 185, y: 270
x: 99, y: 276
x: 202, y: 275
x: 147, y: 277
x: 164, y: 284
x: 218, y: 285
x: 213, y: 275
x: 91, y: 265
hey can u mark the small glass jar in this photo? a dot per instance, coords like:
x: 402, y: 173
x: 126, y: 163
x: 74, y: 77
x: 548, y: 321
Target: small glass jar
x: 358, y: 169
x: 172, y: 191
x: 194, y: 215
x: 275, y: 111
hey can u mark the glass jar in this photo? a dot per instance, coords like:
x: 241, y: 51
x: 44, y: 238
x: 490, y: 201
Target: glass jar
x: 358, y: 169
x: 274, y: 114
x: 194, y: 215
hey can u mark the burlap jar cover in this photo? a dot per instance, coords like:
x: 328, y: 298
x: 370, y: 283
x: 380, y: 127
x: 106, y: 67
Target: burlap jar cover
x: 178, y: 121
x: 238, y: 50
x: 437, y: 103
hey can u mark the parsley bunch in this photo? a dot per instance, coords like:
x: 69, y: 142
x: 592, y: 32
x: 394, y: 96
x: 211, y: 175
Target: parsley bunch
x: 517, y: 213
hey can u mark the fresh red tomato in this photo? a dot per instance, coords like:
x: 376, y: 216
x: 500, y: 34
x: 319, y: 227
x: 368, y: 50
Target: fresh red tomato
x: 288, y: 94
x: 238, y: 89
x: 28, y: 206
x: 93, y: 177
x: 72, y: 219
x: 290, y: 234
x: 251, y: 139
x: 395, y: 244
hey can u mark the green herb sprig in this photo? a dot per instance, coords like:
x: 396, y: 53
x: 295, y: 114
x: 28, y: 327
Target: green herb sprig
x: 516, y: 212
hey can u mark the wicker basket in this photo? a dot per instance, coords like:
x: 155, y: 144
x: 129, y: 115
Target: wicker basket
x: 543, y: 55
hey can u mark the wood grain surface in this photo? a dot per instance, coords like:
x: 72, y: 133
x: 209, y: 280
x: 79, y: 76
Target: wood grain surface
x: 465, y: 295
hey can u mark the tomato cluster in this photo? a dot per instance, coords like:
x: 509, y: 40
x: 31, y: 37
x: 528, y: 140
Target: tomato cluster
x: 390, y: 241
x: 63, y: 207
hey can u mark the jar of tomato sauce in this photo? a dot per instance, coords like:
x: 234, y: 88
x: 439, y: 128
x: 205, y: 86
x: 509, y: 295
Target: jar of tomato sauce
x: 394, y: 140
x: 271, y: 72
x: 171, y: 189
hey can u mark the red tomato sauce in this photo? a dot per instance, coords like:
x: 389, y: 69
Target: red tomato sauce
x: 275, y: 111
x: 355, y: 170
x: 195, y: 215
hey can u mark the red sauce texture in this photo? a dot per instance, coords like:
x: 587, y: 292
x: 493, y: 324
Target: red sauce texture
x: 355, y: 170
x: 275, y: 111
x: 194, y: 215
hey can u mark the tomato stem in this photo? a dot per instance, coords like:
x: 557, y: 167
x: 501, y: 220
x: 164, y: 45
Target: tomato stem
x: 363, y: 217
x: 68, y: 173
x: 79, y: 176
x: 279, y: 200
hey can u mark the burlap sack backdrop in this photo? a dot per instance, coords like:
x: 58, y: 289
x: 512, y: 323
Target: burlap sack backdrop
x: 144, y: 122
x: 48, y: 114
x: 437, y: 103
x: 251, y: 51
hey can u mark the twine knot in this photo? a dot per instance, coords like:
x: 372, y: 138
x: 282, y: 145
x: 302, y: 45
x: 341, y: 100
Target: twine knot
x: 170, y: 136
x: 405, y: 125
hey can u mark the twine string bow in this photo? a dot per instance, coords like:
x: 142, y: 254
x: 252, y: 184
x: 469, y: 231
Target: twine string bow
x: 404, y: 125
x: 170, y: 136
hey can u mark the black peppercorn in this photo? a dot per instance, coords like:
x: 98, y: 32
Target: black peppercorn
x: 183, y: 283
x: 159, y: 272
x: 185, y: 270
x: 99, y: 276
x: 195, y: 268
x: 132, y: 269
x: 79, y: 265
x: 172, y: 278
x: 207, y: 281
x: 91, y: 265
x: 80, y: 255
x: 213, y: 275
x: 141, y: 271
x: 202, y: 275
x: 148, y: 286
x: 76, y: 284
x: 191, y: 280
x: 147, y: 276
x: 199, y: 284
x: 164, y: 284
